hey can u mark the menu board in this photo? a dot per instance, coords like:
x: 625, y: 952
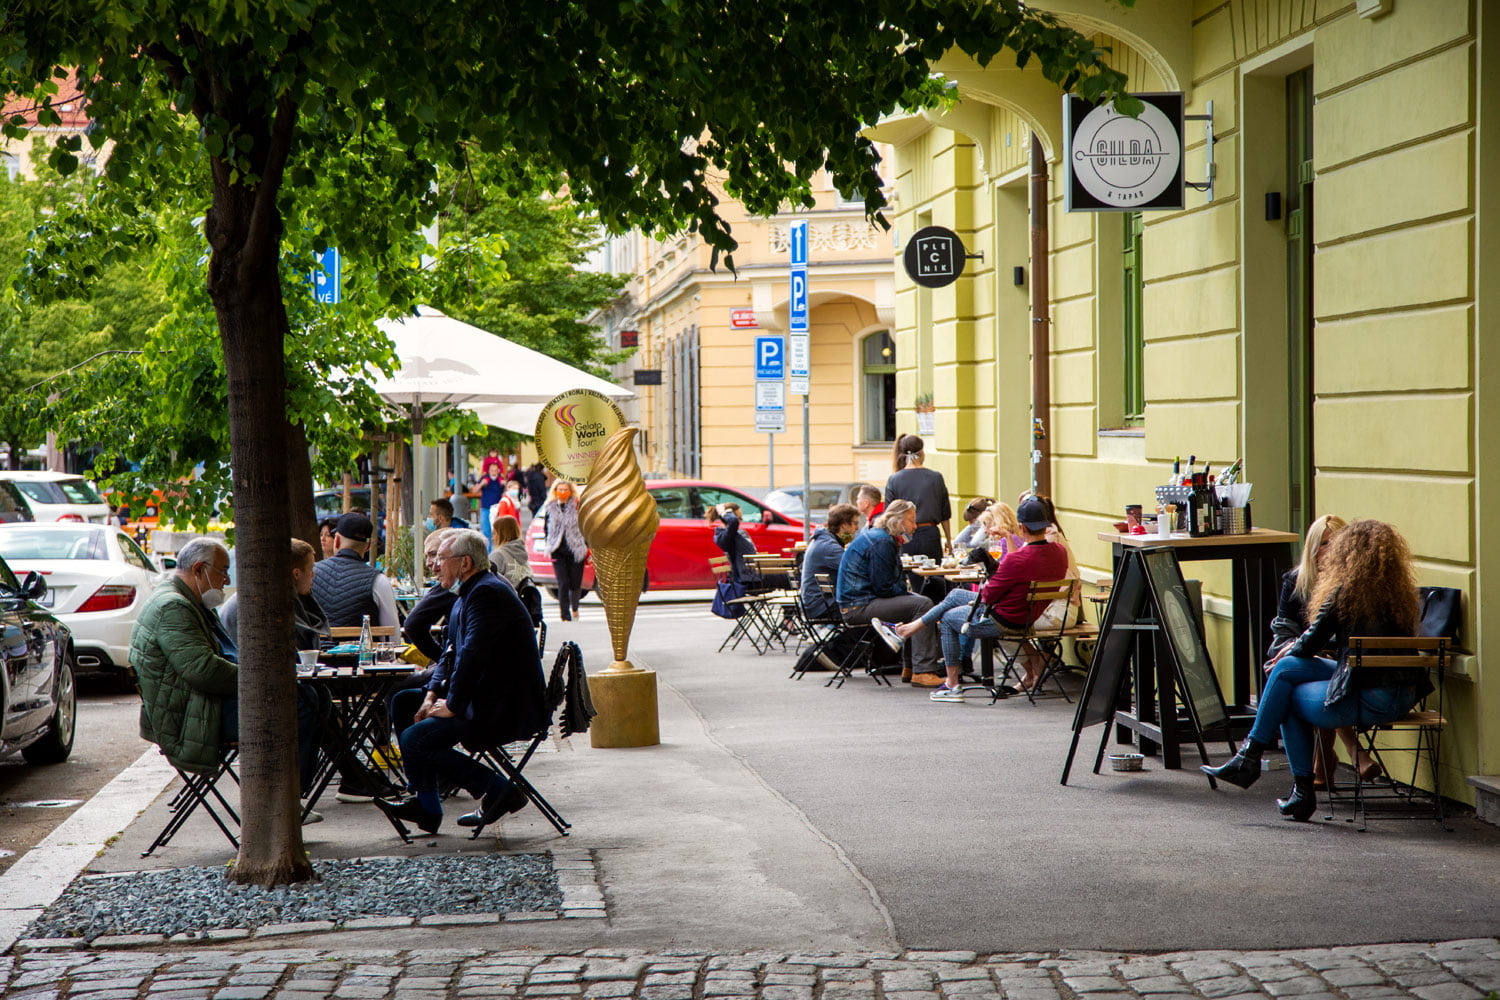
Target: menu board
x: 1195, y: 671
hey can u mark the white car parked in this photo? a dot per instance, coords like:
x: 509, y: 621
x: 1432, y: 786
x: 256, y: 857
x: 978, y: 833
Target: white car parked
x: 59, y: 496
x: 97, y: 578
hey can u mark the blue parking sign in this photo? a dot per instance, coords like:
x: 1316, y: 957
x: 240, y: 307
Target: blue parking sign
x: 328, y: 277
x: 770, y: 357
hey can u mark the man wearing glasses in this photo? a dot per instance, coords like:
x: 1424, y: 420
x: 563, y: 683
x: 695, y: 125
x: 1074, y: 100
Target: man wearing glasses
x: 486, y: 690
x: 188, y: 668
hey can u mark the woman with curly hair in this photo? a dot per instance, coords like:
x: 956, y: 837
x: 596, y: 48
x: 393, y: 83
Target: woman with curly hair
x: 1365, y: 587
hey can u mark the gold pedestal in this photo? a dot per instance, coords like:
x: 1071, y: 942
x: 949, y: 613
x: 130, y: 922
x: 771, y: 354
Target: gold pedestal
x: 626, y: 703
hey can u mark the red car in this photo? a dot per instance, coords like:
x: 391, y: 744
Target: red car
x: 684, y: 542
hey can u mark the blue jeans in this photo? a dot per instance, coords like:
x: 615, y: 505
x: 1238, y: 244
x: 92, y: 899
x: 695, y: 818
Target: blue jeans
x: 484, y: 522
x: 1292, y: 703
x: 956, y: 646
x: 429, y: 754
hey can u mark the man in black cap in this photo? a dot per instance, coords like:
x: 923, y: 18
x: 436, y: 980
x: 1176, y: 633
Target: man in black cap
x: 346, y: 586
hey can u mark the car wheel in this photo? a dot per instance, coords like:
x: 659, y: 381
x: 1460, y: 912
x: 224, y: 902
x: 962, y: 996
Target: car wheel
x: 552, y: 592
x: 55, y: 747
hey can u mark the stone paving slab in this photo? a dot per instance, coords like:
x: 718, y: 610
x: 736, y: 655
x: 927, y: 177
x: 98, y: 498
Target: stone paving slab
x: 139, y: 970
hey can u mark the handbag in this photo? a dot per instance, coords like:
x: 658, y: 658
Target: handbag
x: 1338, y: 684
x: 726, y: 591
x: 1442, y: 611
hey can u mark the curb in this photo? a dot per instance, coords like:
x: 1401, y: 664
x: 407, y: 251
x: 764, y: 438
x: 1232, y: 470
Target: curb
x: 36, y: 880
x: 577, y: 876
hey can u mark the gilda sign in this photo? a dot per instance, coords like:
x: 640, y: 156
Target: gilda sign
x: 1116, y: 163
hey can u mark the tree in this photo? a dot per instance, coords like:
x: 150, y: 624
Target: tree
x: 636, y: 103
x: 40, y: 340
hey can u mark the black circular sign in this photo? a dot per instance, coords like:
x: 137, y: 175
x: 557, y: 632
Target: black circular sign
x: 934, y: 256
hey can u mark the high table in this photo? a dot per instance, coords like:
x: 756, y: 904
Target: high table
x: 1257, y: 561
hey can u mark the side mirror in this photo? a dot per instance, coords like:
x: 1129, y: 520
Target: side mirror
x: 167, y: 562
x: 33, y: 587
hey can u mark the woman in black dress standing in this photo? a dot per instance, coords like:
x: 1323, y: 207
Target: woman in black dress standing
x: 910, y: 480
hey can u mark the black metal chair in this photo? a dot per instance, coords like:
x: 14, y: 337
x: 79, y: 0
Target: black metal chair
x: 1423, y: 726
x: 1018, y: 639
x: 201, y: 791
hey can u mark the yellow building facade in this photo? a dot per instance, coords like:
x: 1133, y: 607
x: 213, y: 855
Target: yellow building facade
x: 697, y: 325
x: 1334, y: 335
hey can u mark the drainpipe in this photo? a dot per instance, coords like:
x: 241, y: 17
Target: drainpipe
x: 1041, y: 322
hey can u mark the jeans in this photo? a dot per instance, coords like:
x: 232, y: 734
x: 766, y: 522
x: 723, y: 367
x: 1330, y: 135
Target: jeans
x: 428, y: 753
x: 313, y: 708
x: 920, y: 652
x: 1292, y: 703
x: 569, y: 572
x: 954, y: 650
x: 484, y: 523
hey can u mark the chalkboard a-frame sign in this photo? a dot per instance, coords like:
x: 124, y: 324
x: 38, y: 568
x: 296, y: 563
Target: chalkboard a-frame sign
x: 1149, y: 602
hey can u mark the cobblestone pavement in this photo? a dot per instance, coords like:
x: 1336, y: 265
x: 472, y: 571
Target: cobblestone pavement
x: 1453, y: 970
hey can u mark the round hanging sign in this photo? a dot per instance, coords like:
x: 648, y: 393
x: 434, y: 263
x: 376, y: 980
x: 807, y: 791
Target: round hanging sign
x: 1128, y: 163
x: 571, y: 431
x: 934, y: 257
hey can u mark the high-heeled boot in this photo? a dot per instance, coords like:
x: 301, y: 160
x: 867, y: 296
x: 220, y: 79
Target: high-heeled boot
x: 1303, y: 801
x: 1243, y: 769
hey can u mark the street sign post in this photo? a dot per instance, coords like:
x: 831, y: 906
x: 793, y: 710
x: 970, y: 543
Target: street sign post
x: 798, y: 308
x: 328, y: 277
x: 770, y: 396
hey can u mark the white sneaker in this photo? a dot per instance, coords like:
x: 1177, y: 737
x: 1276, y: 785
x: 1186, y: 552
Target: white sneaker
x: 887, y: 634
x: 314, y: 817
x: 946, y: 693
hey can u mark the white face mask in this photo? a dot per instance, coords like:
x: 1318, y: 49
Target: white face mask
x: 212, y: 597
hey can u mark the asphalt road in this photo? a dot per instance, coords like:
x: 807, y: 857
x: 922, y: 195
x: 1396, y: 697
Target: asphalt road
x: 35, y: 799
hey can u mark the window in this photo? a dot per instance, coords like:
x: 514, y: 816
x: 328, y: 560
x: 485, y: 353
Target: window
x: 878, y: 367
x: 1133, y: 337
x: 133, y: 554
x: 710, y: 497
x: 672, y: 502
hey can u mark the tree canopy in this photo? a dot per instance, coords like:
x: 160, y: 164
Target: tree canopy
x: 329, y: 120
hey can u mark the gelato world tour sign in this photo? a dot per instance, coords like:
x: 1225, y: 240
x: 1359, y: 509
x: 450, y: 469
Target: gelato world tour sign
x: 1116, y: 163
x: 571, y: 431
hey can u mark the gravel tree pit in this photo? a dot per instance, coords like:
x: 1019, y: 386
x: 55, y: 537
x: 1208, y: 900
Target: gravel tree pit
x: 180, y: 900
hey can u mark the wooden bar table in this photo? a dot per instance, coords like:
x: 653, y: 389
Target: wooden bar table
x: 1257, y: 560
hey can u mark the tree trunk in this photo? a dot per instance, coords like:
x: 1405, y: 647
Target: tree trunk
x: 244, y: 230
x: 300, y: 486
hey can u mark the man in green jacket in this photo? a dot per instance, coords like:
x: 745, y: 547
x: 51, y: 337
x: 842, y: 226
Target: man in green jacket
x: 188, y: 671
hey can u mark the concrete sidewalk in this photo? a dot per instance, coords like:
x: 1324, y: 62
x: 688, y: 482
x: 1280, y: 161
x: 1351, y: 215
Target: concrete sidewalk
x: 783, y: 817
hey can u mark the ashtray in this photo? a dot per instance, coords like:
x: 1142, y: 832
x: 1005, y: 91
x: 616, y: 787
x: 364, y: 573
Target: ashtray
x: 1126, y: 761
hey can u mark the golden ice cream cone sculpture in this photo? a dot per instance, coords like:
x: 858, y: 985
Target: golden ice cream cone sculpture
x: 618, y: 519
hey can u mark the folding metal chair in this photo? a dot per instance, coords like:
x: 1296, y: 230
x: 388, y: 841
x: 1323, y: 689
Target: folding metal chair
x: 748, y: 625
x: 1423, y: 725
x: 1019, y: 639
x: 825, y: 632
x: 200, y: 791
x: 511, y: 758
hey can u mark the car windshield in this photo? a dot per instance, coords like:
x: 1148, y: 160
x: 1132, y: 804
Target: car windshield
x: 12, y: 507
x: 79, y: 491
x: 52, y: 543
x: 41, y: 492
x: 330, y: 503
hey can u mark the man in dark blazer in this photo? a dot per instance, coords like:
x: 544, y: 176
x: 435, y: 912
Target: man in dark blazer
x: 486, y: 689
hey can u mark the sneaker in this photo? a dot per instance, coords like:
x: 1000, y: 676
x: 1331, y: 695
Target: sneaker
x: 887, y: 634
x: 365, y: 786
x: 312, y: 818
x: 827, y: 661
x: 946, y: 693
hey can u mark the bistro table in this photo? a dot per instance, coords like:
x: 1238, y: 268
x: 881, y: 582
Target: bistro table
x: 1257, y: 561
x: 359, y: 700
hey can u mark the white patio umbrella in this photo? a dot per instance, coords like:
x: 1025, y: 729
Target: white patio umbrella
x: 448, y: 364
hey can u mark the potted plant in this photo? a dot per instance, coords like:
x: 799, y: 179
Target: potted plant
x: 926, y: 414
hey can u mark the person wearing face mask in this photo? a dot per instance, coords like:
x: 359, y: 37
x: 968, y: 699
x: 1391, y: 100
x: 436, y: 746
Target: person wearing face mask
x: 566, y: 546
x: 509, y: 505
x: 186, y: 664
x: 486, y: 689
x: 440, y: 515
x: 824, y: 551
x: 347, y: 587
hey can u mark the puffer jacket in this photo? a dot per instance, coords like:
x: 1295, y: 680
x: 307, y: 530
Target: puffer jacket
x: 183, y: 679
